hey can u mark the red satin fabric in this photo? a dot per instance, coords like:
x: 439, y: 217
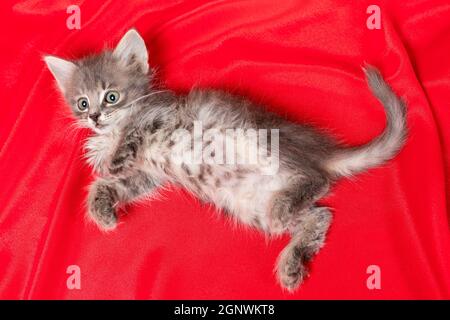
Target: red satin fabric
x: 301, y: 58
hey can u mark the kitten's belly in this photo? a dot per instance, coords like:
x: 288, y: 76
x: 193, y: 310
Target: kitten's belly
x: 248, y: 199
x: 242, y: 190
x: 245, y: 195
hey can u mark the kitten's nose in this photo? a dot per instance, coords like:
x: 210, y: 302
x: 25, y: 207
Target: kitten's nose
x: 94, y: 116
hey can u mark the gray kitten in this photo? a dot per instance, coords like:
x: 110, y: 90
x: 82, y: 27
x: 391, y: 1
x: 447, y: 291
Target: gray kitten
x: 134, y: 142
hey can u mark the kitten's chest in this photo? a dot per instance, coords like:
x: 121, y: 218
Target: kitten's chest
x: 99, y: 150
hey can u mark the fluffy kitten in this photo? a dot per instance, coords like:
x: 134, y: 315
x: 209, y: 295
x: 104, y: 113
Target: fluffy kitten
x: 133, y: 145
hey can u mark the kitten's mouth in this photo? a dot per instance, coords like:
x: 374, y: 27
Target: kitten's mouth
x: 99, y: 128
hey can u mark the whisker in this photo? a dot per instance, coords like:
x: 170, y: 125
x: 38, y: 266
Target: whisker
x: 135, y: 100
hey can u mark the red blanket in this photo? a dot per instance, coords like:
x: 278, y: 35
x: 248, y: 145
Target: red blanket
x: 302, y: 59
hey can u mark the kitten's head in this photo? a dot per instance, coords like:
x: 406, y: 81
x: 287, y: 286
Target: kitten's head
x: 100, y: 88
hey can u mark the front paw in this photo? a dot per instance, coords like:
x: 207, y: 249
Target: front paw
x: 102, y: 210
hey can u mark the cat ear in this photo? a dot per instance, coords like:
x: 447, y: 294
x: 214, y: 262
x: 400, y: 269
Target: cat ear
x: 131, y: 49
x: 61, y: 69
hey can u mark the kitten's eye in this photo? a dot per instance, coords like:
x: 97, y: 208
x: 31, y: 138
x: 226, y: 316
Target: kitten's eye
x: 112, y: 97
x: 83, y: 104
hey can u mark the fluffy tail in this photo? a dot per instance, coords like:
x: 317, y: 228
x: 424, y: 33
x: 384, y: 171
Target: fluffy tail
x: 348, y: 161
